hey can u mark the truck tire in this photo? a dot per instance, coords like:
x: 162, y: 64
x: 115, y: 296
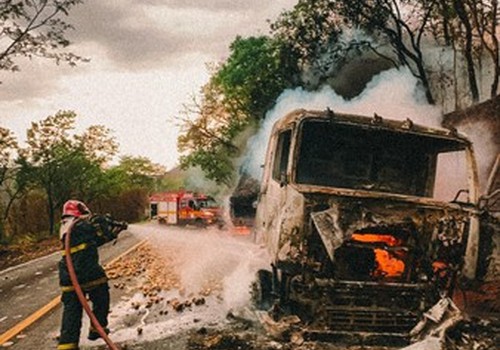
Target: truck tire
x: 200, y: 223
x: 262, y: 290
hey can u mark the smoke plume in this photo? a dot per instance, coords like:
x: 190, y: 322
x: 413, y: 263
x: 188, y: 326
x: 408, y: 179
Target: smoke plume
x: 392, y: 94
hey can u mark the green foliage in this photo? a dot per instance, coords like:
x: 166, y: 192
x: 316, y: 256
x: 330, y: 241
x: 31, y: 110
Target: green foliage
x: 309, y: 33
x: 8, y: 145
x: 237, y: 96
x: 207, y: 139
x: 172, y: 180
x: 253, y: 75
x: 63, y: 165
x: 139, y: 172
x: 129, y: 205
x: 58, y: 164
x: 28, y: 216
x: 311, y: 43
x: 217, y: 166
x: 35, y: 28
x: 97, y: 144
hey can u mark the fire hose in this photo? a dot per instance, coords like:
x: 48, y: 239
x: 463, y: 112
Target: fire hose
x: 79, y: 292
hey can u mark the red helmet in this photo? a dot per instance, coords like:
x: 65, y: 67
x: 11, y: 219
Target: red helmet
x: 75, y: 208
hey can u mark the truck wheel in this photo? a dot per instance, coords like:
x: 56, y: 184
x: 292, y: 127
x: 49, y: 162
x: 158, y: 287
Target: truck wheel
x: 262, y: 287
x: 200, y: 223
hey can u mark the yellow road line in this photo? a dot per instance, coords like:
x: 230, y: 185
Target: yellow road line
x: 28, y: 321
x: 18, y: 328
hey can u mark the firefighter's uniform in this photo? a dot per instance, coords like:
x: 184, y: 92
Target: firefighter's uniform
x: 87, y: 234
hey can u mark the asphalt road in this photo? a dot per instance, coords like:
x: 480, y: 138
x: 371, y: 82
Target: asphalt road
x: 26, y: 288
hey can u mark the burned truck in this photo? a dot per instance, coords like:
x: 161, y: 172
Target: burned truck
x: 368, y: 222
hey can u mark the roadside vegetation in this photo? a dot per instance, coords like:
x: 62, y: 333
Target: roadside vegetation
x: 449, y: 46
x: 57, y: 164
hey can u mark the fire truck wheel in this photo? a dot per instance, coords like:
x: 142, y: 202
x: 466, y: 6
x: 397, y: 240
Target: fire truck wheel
x: 200, y: 223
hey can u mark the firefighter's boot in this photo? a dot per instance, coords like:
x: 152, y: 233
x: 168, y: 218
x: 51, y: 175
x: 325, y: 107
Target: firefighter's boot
x: 94, y: 335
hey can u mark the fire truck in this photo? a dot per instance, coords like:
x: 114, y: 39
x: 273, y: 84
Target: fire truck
x: 184, y: 208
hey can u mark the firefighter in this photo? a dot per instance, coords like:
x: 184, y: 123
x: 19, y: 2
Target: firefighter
x: 88, y: 232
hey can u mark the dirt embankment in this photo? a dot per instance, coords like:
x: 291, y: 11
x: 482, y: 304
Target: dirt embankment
x: 16, y: 254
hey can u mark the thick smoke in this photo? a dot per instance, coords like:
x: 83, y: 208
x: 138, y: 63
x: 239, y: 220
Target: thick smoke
x: 485, y: 150
x: 392, y: 94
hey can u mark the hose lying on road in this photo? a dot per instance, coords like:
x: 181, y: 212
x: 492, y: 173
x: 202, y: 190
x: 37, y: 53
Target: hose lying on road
x: 79, y: 292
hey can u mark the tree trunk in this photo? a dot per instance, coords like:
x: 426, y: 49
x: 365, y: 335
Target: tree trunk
x: 495, y: 52
x: 51, y: 213
x: 2, y: 233
x: 471, y: 73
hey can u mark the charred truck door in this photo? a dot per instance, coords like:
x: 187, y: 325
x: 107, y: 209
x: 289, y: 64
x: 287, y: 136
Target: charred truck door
x: 367, y: 220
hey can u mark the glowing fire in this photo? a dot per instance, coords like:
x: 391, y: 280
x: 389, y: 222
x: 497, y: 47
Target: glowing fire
x: 440, y: 268
x: 388, y: 264
x: 241, y: 230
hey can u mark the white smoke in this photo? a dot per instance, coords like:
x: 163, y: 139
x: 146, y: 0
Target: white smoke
x: 392, y: 94
x: 210, y: 260
x: 482, y: 139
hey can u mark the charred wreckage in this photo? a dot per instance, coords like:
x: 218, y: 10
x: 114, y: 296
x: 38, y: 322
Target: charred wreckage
x: 368, y: 222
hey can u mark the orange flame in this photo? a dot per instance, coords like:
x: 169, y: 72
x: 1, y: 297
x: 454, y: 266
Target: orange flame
x: 241, y: 230
x: 388, y: 265
x: 440, y: 268
x: 390, y: 240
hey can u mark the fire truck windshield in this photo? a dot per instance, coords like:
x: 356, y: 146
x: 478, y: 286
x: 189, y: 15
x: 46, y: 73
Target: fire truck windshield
x: 207, y: 202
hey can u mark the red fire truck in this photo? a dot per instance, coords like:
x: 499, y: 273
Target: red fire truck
x: 183, y: 208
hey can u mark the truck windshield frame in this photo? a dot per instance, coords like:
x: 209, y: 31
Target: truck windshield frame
x: 369, y: 157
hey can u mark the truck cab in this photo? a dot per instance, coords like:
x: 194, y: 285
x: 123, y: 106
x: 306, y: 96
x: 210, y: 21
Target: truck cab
x: 367, y: 221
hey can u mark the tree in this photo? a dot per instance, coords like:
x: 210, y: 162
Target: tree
x: 59, y: 162
x: 239, y: 93
x: 484, y: 17
x: 207, y: 139
x: 470, y: 27
x: 97, y: 144
x: 254, y: 75
x: 402, y: 24
x: 8, y: 147
x: 462, y: 14
x: 35, y: 28
x: 140, y: 171
x: 311, y: 36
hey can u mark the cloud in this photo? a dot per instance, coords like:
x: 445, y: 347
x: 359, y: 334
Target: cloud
x: 15, y: 82
x: 147, y: 59
x: 142, y: 35
x: 148, y: 33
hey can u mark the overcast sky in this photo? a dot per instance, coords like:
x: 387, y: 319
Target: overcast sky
x: 148, y: 57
